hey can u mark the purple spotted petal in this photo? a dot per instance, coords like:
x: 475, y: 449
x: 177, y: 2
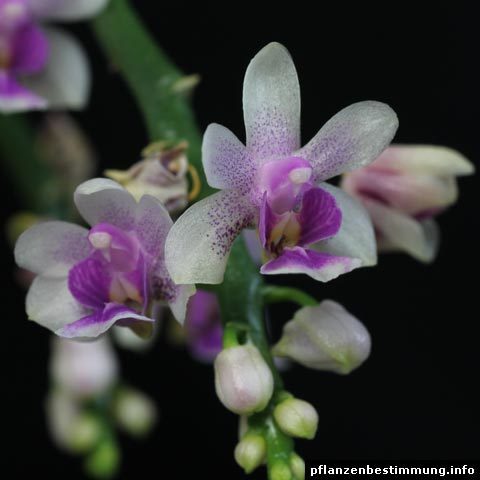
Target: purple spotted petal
x: 271, y: 103
x: 319, y: 218
x: 29, y: 50
x: 319, y: 266
x: 352, y: 138
x: 199, y: 242
x: 15, y: 98
x: 226, y: 161
x: 99, y: 322
x: 89, y: 281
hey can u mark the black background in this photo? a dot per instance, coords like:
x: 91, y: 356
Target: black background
x: 417, y: 396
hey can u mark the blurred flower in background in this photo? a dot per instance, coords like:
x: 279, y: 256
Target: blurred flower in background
x: 161, y: 173
x: 42, y: 67
x: 87, y: 401
x: 403, y: 190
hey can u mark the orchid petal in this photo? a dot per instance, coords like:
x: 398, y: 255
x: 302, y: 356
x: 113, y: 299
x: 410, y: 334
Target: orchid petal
x: 424, y: 159
x: 225, y: 159
x: 65, y: 80
x: 152, y: 225
x: 356, y: 237
x: 100, y: 200
x: 91, y: 326
x: 402, y: 232
x: 52, y: 248
x: 352, y: 138
x: 50, y: 303
x: 178, y: 305
x: 198, y: 245
x: 66, y: 10
x: 320, y: 266
x: 320, y: 218
x: 271, y: 103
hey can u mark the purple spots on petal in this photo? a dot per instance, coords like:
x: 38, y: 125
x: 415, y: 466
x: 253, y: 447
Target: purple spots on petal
x: 271, y: 135
x: 232, y: 214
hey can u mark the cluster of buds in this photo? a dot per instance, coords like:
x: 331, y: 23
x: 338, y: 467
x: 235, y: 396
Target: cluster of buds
x: 85, y: 401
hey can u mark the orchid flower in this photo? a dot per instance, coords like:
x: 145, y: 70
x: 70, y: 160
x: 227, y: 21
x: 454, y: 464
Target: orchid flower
x: 403, y: 190
x: 304, y: 225
x: 114, y: 273
x: 42, y: 67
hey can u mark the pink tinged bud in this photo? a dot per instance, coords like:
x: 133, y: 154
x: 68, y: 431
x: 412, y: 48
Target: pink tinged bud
x: 250, y: 452
x: 296, y: 418
x: 243, y: 380
x: 325, y: 337
x: 83, y: 369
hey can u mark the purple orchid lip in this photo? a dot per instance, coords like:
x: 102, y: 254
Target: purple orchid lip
x: 112, y: 275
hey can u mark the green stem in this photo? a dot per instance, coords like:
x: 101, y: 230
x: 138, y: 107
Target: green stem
x: 152, y: 79
x: 274, y: 294
x: 32, y: 179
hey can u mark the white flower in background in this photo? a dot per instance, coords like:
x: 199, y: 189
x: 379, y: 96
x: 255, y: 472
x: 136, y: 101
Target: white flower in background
x: 84, y: 369
x: 42, y: 67
x: 403, y: 190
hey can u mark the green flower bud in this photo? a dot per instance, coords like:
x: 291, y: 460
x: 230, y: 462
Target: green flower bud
x: 250, y: 452
x: 296, y: 418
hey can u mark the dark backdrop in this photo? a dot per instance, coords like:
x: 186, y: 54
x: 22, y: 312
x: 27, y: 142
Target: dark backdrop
x: 417, y: 396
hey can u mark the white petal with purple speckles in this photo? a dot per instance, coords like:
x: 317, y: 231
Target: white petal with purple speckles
x: 225, y: 159
x: 352, y: 138
x: 50, y: 303
x: 198, y: 245
x: 52, y: 248
x: 320, y: 266
x: 356, y: 237
x: 402, y: 232
x: 65, y: 80
x: 271, y: 103
x: 104, y: 201
x: 152, y: 224
x: 66, y: 9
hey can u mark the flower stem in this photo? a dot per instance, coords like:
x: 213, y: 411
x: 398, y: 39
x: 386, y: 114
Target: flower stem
x: 151, y: 77
x: 274, y: 294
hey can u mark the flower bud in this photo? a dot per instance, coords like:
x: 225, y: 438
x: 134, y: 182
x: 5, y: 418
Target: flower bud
x: 83, y: 368
x: 104, y: 461
x: 250, y: 452
x: 281, y: 471
x: 296, y: 418
x: 325, y: 337
x: 297, y: 466
x: 161, y: 173
x: 243, y: 380
x: 134, y: 412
